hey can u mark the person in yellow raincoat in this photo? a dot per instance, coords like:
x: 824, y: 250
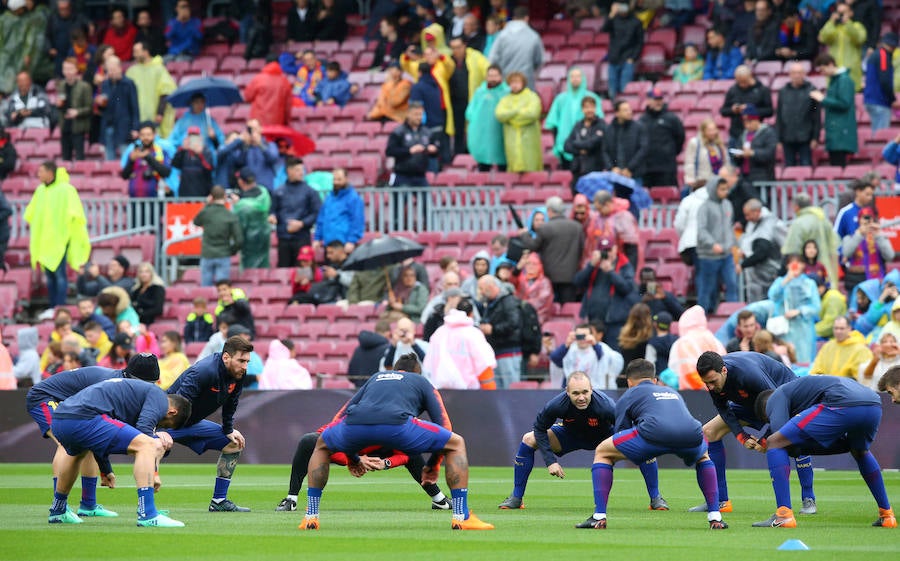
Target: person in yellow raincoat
x: 58, y: 230
x: 845, y: 39
x: 436, y: 53
x: 520, y: 114
x: 153, y: 83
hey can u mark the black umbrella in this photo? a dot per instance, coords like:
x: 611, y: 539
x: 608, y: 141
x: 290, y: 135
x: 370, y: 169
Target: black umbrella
x: 382, y: 252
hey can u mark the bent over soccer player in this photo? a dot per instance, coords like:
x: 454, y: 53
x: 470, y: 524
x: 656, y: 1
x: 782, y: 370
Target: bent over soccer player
x: 821, y: 415
x: 45, y: 397
x: 890, y: 383
x: 118, y: 416
x: 385, y: 412
x: 652, y: 420
x: 386, y: 459
x: 213, y: 382
x: 587, y: 419
x: 734, y: 382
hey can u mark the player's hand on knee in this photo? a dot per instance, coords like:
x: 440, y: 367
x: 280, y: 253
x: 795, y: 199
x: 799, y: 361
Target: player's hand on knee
x: 157, y: 482
x: 556, y: 470
x: 108, y: 480
x: 429, y: 475
x: 166, y: 440
x: 237, y: 438
x: 357, y: 470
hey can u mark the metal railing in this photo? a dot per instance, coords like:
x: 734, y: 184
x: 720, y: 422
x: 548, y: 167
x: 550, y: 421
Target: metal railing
x: 435, y: 209
x: 107, y: 218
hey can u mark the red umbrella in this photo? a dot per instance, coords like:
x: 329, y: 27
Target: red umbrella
x: 301, y: 144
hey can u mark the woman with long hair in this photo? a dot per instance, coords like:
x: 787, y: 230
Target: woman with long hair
x: 637, y: 331
x: 534, y: 287
x: 148, y: 294
x: 704, y: 155
x: 172, y: 360
x: 811, y: 265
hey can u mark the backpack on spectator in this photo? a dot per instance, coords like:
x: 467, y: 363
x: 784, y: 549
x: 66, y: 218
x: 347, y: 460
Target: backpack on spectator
x: 531, y: 329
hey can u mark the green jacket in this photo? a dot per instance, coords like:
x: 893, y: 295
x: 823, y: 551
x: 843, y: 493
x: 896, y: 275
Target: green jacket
x: 253, y: 213
x: 840, y: 114
x: 82, y: 100
x: 222, y: 235
x: 367, y: 286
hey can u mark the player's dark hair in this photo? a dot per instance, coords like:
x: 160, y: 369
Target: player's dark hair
x: 889, y: 379
x: 408, y: 363
x: 465, y: 306
x: 709, y: 361
x: 183, y: 405
x: 640, y: 369
x: 745, y: 314
x: 236, y: 345
x: 759, y: 407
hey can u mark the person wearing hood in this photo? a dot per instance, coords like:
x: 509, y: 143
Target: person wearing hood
x: 796, y: 297
x: 470, y: 72
x: 559, y: 243
x: 760, y: 249
x: 252, y: 209
x: 445, y: 300
x: 585, y: 144
x: 334, y: 88
x: 501, y: 323
x: 270, y: 95
x: 59, y: 234
x: 459, y: 357
x: 843, y: 355
x: 715, y: 241
x: 667, y: 132
x: 534, y: 287
x: 840, y: 110
x: 481, y: 265
x: 520, y: 113
x: 198, y: 116
x: 372, y: 346
x: 609, y: 289
x: 115, y: 303
x: 871, y: 303
x: 440, y: 68
x: 518, y: 47
x: 867, y: 251
x: 393, y: 98
x: 28, y: 366
x: 834, y: 304
x: 694, y: 339
x: 487, y: 148
x: 566, y: 113
x: 538, y: 218
x: 809, y: 223
x: 154, y: 85
x: 845, y: 39
x: 282, y: 371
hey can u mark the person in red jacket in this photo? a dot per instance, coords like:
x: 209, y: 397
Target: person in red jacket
x: 120, y: 34
x: 269, y: 95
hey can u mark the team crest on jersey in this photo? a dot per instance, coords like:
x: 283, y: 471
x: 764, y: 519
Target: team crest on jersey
x: 593, y: 422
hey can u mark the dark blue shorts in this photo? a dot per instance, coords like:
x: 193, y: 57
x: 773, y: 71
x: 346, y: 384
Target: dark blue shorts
x: 569, y: 440
x: 42, y: 413
x: 203, y: 436
x: 102, y: 435
x: 413, y: 437
x: 638, y: 450
x: 837, y: 429
x: 746, y: 416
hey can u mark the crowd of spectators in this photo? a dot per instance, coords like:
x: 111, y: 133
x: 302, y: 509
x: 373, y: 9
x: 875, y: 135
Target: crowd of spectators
x: 460, y: 77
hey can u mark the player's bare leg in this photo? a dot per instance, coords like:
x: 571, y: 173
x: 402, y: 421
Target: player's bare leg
x: 225, y: 467
x: 147, y: 453
x: 66, y: 469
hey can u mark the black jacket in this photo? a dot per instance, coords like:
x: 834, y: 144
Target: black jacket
x: 239, y: 312
x: 797, y: 117
x: 505, y: 316
x: 757, y: 94
x: 608, y: 296
x: 626, y: 146
x: 148, y: 304
x: 665, y: 132
x: 383, y: 55
x: 8, y: 157
x: 590, y: 140
x: 401, y: 140
x: 364, y: 361
x: 302, y: 30
x: 762, y: 162
x: 626, y: 39
x: 762, y: 41
x: 196, y: 172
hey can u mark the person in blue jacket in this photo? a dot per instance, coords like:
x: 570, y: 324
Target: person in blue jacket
x: 342, y: 214
x: 721, y: 58
x: 891, y: 155
x: 334, y: 88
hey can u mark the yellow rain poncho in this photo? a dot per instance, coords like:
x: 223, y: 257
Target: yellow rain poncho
x: 520, y: 115
x: 153, y: 81
x: 58, y: 225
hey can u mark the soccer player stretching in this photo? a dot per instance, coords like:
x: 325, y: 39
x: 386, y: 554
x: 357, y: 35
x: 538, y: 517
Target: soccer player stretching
x: 117, y: 416
x: 213, y: 382
x: 384, y: 412
x: 587, y: 419
x: 734, y: 382
x: 821, y: 415
x: 45, y: 397
x: 652, y: 420
x: 890, y: 383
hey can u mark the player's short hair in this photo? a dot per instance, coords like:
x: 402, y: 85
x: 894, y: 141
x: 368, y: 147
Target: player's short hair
x: 759, y: 406
x: 236, y: 345
x: 183, y: 405
x: 577, y: 375
x: 889, y: 379
x: 640, y: 369
x: 408, y: 363
x: 709, y: 360
x: 744, y: 315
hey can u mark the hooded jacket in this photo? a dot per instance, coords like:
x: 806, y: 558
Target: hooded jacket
x: 878, y: 313
x: 58, y: 225
x: 520, y: 115
x: 459, y: 356
x: 393, y: 100
x: 341, y: 217
x: 470, y: 285
x: 686, y: 217
x: 281, y: 372
x: 834, y: 304
x: 29, y: 364
x: 364, y: 361
x: 270, y: 97
x: 844, y: 358
x: 810, y: 224
x: 485, y: 133
x: 153, y: 81
x: 799, y: 294
x: 518, y: 48
x: 694, y: 339
x: 714, y: 224
x: 565, y: 113
x: 845, y: 42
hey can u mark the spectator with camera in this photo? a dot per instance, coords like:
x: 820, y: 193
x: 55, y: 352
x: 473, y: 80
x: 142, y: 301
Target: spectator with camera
x: 249, y: 150
x: 146, y: 164
x: 654, y: 295
x: 194, y: 160
x: 609, y: 291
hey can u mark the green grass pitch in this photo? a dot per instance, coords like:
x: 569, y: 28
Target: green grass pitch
x: 385, y: 516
